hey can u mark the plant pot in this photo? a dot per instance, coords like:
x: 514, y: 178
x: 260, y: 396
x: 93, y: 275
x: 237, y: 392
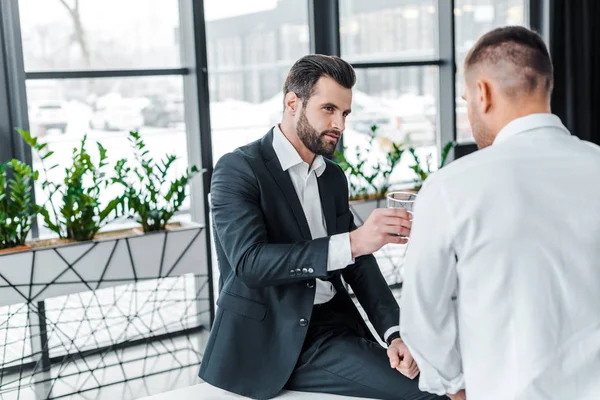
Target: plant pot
x: 15, y: 249
x: 42, y: 272
x: 134, y: 231
x: 55, y: 242
x: 120, y: 233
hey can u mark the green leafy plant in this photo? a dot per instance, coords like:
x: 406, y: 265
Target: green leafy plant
x: 150, y: 197
x: 17, y: 208
x: 81, y: 214
x: 423, y: 172
x: 368, y: 180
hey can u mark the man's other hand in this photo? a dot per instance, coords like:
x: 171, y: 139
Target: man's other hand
x: 401, y: 360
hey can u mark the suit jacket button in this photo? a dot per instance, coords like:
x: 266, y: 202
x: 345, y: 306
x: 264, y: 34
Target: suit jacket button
x: 310, y: 284
x: 303, y: 322
x: 292, y: 272
x: 310, y: 270
x: 304, y: 271
x: 298, y: 271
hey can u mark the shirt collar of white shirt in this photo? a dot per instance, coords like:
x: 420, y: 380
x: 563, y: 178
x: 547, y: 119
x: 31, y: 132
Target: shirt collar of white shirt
x: 528, y: 123
x: 289, y: 157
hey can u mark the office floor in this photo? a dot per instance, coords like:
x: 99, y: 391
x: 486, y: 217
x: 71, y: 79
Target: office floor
x: 126, y: 374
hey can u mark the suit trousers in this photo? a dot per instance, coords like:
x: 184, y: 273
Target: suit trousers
x: 336, y: 358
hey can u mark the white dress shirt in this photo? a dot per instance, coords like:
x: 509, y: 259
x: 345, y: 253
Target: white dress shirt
x: 512, y: 234
x: 304, y: 178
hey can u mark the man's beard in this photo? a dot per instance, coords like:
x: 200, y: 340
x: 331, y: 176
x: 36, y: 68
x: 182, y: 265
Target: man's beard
x: 482, y: 134
x: 316, y: 142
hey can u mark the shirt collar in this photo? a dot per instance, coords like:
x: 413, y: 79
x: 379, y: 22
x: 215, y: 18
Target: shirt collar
x: 289, y: 157
x: 528, y: 123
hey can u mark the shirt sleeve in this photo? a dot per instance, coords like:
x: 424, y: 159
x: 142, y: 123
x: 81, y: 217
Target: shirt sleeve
x: 340, y: 252
x: 428, y: 316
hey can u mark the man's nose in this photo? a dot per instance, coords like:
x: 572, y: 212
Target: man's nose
x: 338, y: 123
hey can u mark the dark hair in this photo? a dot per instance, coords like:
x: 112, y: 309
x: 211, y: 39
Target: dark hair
x: 306, y: 72
x: 523, y: 48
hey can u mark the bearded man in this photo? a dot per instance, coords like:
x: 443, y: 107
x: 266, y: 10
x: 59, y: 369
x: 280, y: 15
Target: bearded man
x: 285, y: 237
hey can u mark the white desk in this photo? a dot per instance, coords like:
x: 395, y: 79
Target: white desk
x: 205, y: 391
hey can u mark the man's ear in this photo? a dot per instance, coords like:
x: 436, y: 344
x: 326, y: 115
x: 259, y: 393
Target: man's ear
x: 484, y: 95
x: 292, y: 103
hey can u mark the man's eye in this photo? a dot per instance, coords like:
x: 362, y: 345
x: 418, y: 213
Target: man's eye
x: 330, y: 109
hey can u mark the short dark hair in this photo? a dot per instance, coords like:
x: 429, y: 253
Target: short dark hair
x: 306, y: 72
x: 521, y: 47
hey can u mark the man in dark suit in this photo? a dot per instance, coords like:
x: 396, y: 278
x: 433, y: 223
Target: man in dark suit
x: 285, y: 237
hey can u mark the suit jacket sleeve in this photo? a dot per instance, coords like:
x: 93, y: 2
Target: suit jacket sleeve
x: 369, y: 285
x: 241, y: 231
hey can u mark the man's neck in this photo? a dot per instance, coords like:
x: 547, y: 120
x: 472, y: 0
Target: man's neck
x: 524, y: 109
x: 291, y: 135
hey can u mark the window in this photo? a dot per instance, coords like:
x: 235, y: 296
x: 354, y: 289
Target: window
x: 62, y: 111
x: 376, y: 34
x: 100, y: 69
x: 384, y: 40
x: 141, y: 35
x: 402, y: 103
x: 246, y: 78
x: 61, y: 35
x: 474, y: 18
x: 378, y: 31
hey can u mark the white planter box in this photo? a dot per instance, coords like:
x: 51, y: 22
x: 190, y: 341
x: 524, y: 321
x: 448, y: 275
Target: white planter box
x: 36, y: 274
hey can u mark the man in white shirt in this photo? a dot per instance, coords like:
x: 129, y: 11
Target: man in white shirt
x: 285, y: 237
x: 502, y: 278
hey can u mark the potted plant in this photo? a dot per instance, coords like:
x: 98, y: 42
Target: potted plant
x: 149, y: 196
x: 90, y: 261
x: 17, y: 208
x: 369, y: 183
x: 81, y: 213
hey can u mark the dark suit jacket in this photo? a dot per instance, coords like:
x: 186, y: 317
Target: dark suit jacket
x: 268, y: 263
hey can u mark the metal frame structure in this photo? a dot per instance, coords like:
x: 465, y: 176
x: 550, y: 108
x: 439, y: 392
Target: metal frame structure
x: 70, y: 364
x: 118, y: 73
x: 13, y: 96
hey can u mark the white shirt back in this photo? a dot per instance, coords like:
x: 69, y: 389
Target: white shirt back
x: 514, y: 231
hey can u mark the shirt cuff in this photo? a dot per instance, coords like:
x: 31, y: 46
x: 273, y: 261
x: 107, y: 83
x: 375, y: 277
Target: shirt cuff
x: 432, y: 382
x: 340, y: 252
x: 390, y: 331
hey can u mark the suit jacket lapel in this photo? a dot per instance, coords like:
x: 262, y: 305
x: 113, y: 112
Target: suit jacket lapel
x: 283, y: 180
x: 327, y: 194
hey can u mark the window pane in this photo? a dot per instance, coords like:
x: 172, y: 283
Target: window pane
x: 401, y: 102
x: 473, y: 18
x: 108, y: 34
x: 251, y: 47
x: 62, y: 111
x: 375, y: 30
